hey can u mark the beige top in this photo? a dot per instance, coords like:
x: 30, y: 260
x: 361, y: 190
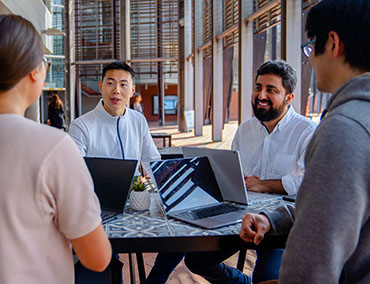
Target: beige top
x: 46, y: 198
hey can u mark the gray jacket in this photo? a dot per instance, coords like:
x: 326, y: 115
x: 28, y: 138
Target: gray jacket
x: 330, y: 239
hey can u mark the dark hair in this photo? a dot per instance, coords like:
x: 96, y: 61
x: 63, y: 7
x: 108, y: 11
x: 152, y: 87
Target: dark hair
x: 21, y: 50
x: 350, y: 20
x: 55, y: 102
x: 120, y: 66
x: 281, y: 69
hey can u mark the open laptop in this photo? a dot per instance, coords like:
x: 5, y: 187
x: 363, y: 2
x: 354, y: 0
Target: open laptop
x: 227, y: 167
x: 112, y: 182
x: 190, y: 193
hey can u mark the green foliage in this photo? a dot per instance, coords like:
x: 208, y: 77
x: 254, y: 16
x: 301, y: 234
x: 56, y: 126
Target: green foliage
x: 138, y: 183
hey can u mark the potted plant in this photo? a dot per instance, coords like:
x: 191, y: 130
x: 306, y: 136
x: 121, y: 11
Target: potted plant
x: 139, y: 196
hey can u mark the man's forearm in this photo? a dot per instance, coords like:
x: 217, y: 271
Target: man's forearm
x: 272, y: 185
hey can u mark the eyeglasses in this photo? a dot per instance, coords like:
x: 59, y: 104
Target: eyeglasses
x: 47, y: 64
x: 307, y: 47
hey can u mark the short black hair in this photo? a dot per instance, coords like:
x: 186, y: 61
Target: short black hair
x: 350, y: 20
x: 118, y: 65
x: 281, y: 69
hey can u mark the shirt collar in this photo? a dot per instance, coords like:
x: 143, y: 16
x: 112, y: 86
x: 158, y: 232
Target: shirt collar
x: 106, y: 115
x: 285, y: 120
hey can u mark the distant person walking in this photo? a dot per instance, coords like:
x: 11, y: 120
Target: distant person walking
x: 56, y: 113
x: 137, y: 105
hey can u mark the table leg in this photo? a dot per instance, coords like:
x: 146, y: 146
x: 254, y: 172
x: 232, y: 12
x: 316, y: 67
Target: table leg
x: 140, y: 267
x: 241, y: 259
x: 132, y: 269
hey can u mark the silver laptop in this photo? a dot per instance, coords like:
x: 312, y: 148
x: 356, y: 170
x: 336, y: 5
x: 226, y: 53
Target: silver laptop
x: 190, y: 193
x: 227, y: 167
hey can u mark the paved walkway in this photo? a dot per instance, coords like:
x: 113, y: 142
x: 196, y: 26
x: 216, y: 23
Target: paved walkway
x: 181, y: 275
x: 188, y: 139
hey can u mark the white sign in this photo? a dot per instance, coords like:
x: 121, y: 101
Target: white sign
x: 189, y: 119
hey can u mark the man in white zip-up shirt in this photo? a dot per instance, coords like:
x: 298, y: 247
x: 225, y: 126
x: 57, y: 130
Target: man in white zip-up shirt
x: 112, y: 130
x: 272, y: 146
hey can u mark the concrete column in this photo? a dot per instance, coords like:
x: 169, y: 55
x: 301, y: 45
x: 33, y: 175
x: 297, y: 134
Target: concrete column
x: 198, y: 69
x: 293, y: 42
x: 125, y: 26
x: 246, y: 80
x: 217, y: 70
x: 70, y: 70
x: 160, y: 79
x: 78, y: 95
x: 189, y: 70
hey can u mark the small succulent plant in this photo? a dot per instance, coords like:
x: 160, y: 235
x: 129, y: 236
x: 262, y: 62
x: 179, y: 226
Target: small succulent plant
x: 138, y: 183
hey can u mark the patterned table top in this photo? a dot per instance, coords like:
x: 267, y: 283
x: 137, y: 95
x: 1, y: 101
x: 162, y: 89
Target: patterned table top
x: 145, y: 229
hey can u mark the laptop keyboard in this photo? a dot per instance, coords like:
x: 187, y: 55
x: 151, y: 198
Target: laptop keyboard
x: 209, y: 211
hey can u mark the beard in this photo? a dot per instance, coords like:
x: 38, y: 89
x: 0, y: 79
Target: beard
x: 267, y: 114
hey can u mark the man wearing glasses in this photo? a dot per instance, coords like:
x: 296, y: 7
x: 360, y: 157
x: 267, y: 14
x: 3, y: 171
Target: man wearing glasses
x: 329, y: 231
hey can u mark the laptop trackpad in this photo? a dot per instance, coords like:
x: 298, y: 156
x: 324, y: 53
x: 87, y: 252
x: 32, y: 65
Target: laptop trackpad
x: 223, y: 220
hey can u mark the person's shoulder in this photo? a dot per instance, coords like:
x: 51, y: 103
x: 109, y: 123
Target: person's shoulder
x: 52, y: 133
x: 38, y: 129
x: 246, y: 128
x: 251, y: 122
x: 304, y: 121
x: 135, y: 115
x: 44, y: 136
x: 85, y: 118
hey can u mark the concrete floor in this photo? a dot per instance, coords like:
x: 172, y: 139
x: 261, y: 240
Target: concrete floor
x: 188, y: 139
x: 181, y: 275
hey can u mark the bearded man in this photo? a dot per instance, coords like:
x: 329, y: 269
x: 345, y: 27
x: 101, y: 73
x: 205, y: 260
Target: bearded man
x: 272, y: 146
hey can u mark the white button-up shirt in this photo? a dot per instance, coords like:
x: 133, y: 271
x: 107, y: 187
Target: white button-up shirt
x: 275, y: 155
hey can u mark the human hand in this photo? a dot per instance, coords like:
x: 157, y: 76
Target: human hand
x: 254, y: 227
x: 253, y: 183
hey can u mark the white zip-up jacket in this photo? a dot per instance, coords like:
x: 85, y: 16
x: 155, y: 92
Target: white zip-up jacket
x: 97, y: 133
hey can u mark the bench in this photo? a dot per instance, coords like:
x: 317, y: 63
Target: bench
x: 163, y: 136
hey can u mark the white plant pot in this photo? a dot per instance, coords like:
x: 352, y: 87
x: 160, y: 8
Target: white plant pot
x: 140, y: 200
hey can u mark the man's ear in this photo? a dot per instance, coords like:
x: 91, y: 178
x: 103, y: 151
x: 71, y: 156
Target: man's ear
x: 335, y: 44
x: 289, y: 98
x: 133, y: 90
x: 100, y: 87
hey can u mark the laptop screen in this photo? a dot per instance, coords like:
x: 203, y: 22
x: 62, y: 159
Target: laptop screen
x: 227, y: 168
x: 112, y: 181
x: 186, y: 183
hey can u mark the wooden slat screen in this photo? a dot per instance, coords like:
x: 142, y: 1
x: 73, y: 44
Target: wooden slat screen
x: 207, y: 26
x: 267, y: 20
x: 96, y: 38
x: 97, y: 30
x: 231, y: 17
x: 154, y: 35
